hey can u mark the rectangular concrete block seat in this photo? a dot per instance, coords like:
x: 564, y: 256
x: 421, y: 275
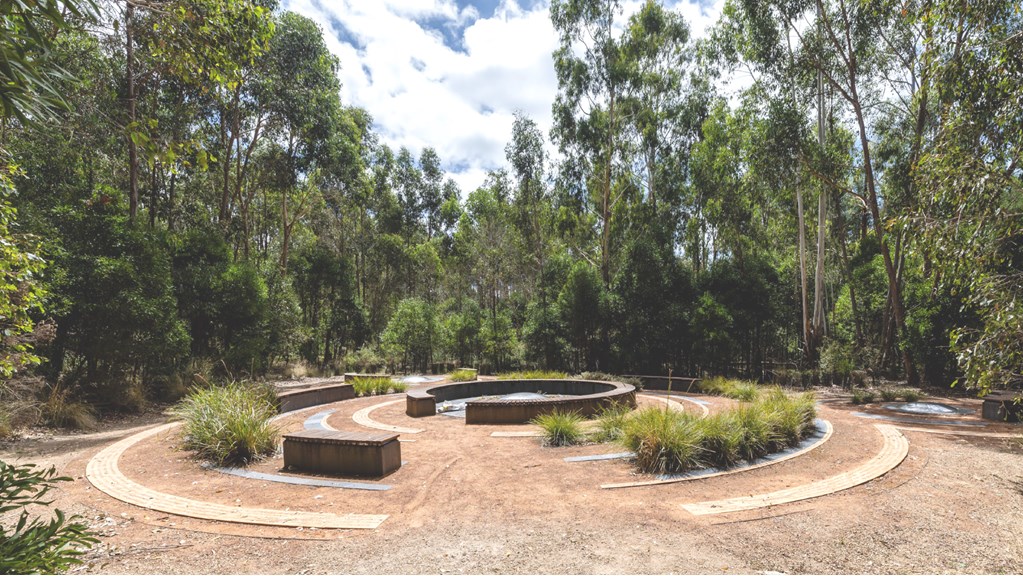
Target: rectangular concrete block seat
x: 419, y: 403
x: 1002, y: 405
x: 373, y: 454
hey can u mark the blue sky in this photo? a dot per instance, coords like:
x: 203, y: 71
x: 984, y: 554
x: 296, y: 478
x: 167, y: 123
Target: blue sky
x: 451, y: 73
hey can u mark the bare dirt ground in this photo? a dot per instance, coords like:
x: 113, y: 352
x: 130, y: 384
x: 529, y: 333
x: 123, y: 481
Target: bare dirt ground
x: 466, y: 502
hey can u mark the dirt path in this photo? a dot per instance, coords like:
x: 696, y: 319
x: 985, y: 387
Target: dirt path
x: 469, y: 503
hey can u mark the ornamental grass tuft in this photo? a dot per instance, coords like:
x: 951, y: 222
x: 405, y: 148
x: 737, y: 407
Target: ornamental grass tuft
x: 560, y: 428
x: 376, y: 386
x: 229, y: 424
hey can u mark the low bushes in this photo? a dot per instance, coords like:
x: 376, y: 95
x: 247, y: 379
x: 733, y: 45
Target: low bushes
x: 735, y: 389
x: 560, y: 428
x: 229, y: 424
x: 611, y: 423
x: 866, y: 396
x: 532, y: 375
x: 463, y: 375
x: 605, y: 377
x: 376, y: 385
x: 669, y: 441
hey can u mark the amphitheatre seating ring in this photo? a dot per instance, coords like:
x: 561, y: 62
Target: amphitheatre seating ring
x: 584, y: 397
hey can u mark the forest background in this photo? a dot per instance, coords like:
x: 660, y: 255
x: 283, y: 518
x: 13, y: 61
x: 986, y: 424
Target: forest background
x: 184, y: 192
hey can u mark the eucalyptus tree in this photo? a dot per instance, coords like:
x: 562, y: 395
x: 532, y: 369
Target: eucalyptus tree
x: 970, y: 217
x: 588, y: 116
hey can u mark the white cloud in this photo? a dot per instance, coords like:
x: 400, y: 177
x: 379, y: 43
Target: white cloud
x: 422, y: 92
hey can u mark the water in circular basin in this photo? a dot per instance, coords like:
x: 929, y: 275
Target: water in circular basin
x: 927, y: 408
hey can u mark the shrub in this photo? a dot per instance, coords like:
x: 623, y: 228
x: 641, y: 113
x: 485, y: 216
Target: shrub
x: 611, y: 423
x: 605, y: 377
x: 229, y: 424
x: 909, y: 394
x: 33, y: 546
x: 60, y: 409
x: 560, y: 428
x: 889, y: 394
x: 735, y: 389
x: 673, y: 441
x: 533, y: 375
x: 463, y: 375
x: 664, y: 440
x: 376, y: 385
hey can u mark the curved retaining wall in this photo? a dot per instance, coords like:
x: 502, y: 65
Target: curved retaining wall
x: 586, y: 397
x: 294, y: 400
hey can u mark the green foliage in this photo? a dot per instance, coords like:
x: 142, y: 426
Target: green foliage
x: 729, y: 388
x: 611, y: 422
x: 533, y: 375
x: 31, y: 546
x: 560, y: 428
x: 604, y: 377
x: 373, y: 386
x: 463, y: 375
x: 909, y: 394
x: 860, y: 396
x: 670, y: 441
x: 21, y: 293
x: 664, y: 441
x: 412, y: 333
x: 888, y: 394
x: 229, y: 424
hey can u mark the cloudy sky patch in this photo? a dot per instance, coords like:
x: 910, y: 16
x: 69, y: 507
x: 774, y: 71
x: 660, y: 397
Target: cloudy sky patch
x: 451, y: 73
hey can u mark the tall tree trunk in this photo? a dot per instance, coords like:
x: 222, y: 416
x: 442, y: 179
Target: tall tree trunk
x: 804, y: 300
x: 133, y: 154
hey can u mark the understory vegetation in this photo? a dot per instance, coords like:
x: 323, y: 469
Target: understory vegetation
x: 229, y: 424
x: 560, y: 428
x: 184, y: 185
x: 533, y: 375
x: 672, y: 441
x: 743, y: 391
x: 463, y: 375
x: 29, y: 544
x: 866, y: 396
x: 375, y: 386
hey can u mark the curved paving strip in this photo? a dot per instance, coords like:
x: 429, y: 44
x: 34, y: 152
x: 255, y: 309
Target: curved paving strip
x: 362, y: 418
x: 103, y: 473
x: 825, y: 429
x: 670, y: 401
x: 892, y: 453
x: 964, y: 432
x: 911, y: 420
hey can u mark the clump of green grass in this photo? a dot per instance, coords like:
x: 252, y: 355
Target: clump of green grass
x: 532, y: 375
x: 376, y: 385
x: 862, y: 396
x: 560, y: 428
x: 463, y: 375
x: 605, y: 377
x: 667, y: 441
x: 889, y: 394
x: 736, y: 389
x: 229, y: 424
x: 909, y: 394
x: 611, y: 423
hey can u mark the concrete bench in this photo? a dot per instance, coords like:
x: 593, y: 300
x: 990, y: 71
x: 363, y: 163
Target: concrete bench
x: 1003, y: 405
x: 343, y: 453
x: 419, y: 403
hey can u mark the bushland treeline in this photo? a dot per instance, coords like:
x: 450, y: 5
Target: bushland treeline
x: 184, y: 188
